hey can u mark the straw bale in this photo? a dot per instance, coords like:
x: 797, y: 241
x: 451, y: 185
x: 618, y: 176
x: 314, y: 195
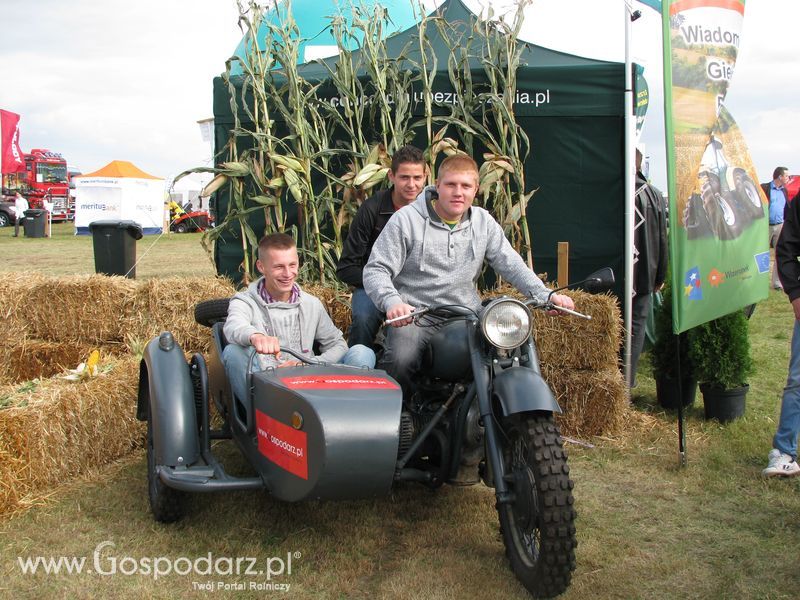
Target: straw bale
x: 593, y: 402
x: 336, y: 302
x: 25, y: 358
x: 61, y: 429
x: 14, y: 299
x: 168, y: 305
x: 84, y: 309
x: 575, y: 343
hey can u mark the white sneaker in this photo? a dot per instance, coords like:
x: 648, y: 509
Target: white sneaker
x: 781, y: 464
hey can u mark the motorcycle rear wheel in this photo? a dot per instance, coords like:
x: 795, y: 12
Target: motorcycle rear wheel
x: 538, y: 527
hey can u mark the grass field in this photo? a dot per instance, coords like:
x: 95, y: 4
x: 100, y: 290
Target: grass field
x: 67, y: 254
x: 646, y: 527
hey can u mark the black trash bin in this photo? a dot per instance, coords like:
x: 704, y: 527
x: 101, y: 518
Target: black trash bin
x: 115, y: 247
x: 34, y: 222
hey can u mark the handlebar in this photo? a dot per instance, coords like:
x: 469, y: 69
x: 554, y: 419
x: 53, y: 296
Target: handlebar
x: 550, y: 306
x: 289, y: 351
x: 455, y: 310
x: 410, y: 315
x: 442, y: 311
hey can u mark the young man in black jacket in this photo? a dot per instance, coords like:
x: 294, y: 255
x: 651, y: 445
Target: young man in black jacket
x: 650, y: 259
x: 782, y: 460
x: 407, y: 175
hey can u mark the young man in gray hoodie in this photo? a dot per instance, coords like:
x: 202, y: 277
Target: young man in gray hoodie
x: 432, y: 252
x: 275, y: 312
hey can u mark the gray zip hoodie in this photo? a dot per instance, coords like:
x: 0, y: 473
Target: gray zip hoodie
x: 249, y: 314
x: 419, y: 260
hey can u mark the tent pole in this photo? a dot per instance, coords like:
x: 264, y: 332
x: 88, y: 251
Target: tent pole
x: 629, y: 164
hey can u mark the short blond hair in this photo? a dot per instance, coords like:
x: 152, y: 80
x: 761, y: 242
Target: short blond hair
x: 458, y: 163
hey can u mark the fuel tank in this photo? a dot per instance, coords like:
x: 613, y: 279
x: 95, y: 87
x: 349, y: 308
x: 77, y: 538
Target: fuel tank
x: 327, y: 432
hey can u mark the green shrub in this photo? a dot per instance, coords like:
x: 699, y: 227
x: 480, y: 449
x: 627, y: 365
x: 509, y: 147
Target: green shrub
x: 720, y: 351
x: 664, y: 355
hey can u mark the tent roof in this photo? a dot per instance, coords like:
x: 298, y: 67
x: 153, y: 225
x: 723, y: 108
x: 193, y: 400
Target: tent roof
x: 120, y: 168
x: 556, y: 83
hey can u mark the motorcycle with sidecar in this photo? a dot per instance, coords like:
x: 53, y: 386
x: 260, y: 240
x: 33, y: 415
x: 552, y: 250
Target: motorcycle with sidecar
x: 481, y: 411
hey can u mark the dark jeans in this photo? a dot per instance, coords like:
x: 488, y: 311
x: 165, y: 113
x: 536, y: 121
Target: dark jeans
x: 367, y: 320
x: 639, y: 311
x: 403, y: 353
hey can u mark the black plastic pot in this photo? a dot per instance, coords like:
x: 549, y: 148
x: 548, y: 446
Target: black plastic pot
x: 669, y: 396
x: 724, y: 405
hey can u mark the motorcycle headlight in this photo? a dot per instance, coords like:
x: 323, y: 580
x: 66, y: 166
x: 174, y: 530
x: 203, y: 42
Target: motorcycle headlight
x: 506, y: 323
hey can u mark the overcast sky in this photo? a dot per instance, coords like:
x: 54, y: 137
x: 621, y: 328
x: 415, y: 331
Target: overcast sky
x: 99, y: 81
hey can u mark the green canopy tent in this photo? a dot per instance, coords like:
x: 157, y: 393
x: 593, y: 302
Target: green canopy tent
x: 572, y: 111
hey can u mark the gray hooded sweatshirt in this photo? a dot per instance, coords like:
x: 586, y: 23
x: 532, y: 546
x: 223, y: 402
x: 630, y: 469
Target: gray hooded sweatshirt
x: 249, y: 314
x: 419, y: 260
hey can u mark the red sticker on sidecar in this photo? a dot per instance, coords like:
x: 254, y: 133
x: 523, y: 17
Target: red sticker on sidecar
x: 339, y: 382
x: 285, y: 446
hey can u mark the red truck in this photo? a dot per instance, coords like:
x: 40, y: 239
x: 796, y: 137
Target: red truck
x: 44, y: 179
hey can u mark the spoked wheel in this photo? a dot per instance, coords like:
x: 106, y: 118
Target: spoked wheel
x: 165, y: 502
x: 538, y: 526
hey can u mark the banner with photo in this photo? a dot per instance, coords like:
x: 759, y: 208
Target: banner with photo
x: 719, y: 249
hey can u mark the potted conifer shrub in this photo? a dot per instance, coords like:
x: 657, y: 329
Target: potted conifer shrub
x: 720, y: 354
x: 668, y: 359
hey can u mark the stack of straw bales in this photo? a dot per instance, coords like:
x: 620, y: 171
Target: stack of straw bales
x: 54, y: 322
x: 57, y: 429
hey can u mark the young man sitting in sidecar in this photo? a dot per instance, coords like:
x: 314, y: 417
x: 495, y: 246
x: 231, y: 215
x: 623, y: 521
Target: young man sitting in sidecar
x: 275, y: 312
x: 432, y: 252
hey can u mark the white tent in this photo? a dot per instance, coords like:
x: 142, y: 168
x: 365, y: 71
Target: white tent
x: 120, y: 191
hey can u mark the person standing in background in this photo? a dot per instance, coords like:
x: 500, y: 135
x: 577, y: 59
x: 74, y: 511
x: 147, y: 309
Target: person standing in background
x: 778, y: 197
x: 649, y: 259
x: 20, y: 206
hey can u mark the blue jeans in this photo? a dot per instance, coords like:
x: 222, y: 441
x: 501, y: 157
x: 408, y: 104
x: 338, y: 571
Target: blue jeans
x: 785, y: 438
x: 236, y: 358
x: 367, y: 320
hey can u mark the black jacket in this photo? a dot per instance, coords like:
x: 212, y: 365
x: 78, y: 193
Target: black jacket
x: 788, y: 249
x: 367, y: 225
x: 650, y: 238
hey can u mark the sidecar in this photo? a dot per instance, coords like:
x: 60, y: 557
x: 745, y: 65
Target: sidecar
x: 309, y: 432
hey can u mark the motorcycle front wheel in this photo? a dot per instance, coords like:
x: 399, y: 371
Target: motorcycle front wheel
x: 538, y: 525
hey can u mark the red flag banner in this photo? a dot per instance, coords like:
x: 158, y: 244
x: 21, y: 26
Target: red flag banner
x: 10, y: 153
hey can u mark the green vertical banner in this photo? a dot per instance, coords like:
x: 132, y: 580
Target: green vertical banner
x: 718, y: 237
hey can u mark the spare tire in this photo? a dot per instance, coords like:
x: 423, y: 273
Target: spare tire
x: 209, y: 312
